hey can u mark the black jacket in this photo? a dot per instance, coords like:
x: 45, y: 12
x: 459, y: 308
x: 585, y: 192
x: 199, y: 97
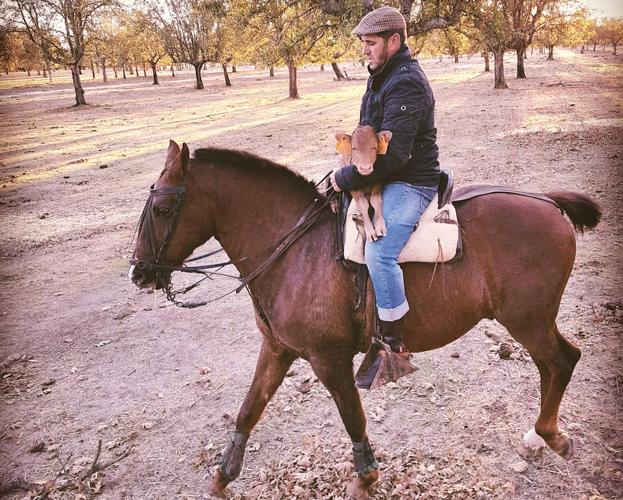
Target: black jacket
x: 398, y: 98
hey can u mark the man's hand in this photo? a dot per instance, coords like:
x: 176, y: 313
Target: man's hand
x: 336, y: 188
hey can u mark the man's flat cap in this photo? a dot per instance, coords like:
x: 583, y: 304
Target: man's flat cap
x: 379, y: 20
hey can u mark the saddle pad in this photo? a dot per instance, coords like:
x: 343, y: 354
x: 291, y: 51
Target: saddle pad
x: 436, y: 238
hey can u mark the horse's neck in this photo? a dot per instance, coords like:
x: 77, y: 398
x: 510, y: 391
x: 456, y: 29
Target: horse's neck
x: 249, y: 220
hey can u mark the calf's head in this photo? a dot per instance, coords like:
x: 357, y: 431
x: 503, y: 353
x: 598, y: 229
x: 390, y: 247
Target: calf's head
x: 363, y: 146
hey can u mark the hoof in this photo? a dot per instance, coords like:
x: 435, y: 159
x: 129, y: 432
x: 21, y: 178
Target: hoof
x: 566, y: 448
x: 358, y: 489
x: 217, y: 485
x: 532, y: 446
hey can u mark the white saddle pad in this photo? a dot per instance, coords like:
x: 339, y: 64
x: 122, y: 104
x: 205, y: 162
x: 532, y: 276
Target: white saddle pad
x: 436, y: 238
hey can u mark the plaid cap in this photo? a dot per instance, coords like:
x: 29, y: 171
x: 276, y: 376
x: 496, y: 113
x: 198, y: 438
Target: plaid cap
x: 379, y: 20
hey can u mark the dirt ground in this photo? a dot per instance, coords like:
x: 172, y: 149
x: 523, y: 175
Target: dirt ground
x: 85, y: 356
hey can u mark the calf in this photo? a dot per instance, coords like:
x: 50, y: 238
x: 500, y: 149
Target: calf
x: 360, y: 149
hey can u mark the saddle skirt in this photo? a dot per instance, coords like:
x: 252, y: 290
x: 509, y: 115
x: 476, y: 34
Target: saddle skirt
x: 435, y: 239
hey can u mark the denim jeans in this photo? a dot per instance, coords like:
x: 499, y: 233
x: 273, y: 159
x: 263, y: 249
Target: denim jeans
x: 403, y: 205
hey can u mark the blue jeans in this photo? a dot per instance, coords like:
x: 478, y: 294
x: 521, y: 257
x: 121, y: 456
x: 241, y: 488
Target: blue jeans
x: 403, y: 205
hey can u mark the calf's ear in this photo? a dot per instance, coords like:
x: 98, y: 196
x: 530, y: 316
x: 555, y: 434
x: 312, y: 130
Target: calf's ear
x: 344, y: 145
x: 383, y: 138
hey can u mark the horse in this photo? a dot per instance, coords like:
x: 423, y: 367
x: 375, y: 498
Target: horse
x: 517, y: 256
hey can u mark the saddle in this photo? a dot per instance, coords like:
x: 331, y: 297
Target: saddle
x: 436, y: 237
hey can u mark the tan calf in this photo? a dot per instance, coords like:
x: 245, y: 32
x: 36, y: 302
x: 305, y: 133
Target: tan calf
x: 360, y: 149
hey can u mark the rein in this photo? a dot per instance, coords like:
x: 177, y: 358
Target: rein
x: 277, y: 249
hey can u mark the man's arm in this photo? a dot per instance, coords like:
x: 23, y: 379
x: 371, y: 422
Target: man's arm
x: 404, y: 109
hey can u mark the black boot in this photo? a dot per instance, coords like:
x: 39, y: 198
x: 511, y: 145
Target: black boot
x: 391, y: 332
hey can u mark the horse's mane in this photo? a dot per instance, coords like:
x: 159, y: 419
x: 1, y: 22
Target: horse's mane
x: 249, y: 162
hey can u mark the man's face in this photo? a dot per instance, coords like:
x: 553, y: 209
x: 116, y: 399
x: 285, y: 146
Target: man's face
x: 378, y: 50
x: 375, y: 49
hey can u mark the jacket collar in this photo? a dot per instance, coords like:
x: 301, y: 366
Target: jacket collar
x: 378, y: 77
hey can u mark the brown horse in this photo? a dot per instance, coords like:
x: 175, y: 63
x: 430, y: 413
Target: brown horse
x: 517, y: 256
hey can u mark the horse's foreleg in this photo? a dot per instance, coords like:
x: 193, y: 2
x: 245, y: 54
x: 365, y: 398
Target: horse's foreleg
x: 337, y: 377
x: 272, y: 366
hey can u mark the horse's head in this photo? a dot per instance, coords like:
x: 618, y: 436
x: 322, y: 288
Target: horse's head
x: 169, y: 229
x: 362, y: 147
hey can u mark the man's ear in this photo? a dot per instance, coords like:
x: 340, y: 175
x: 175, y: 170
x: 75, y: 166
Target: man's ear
x: 383, y: 138
x: 344, y: 145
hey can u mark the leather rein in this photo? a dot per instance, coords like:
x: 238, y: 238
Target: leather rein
x: 162, y: 270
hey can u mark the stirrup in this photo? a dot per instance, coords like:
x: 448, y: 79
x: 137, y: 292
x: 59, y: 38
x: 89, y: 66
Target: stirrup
x: 380, y: 366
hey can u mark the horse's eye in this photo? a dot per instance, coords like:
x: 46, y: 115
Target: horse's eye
x: 161, y: 211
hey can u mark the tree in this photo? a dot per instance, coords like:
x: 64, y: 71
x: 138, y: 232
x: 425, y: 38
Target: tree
x: 491, y: 20
x: 455, y: 43
x: 523, y: 20
x: 562, y: 27
x: 189, y: 31
x: 613, y: 32
x: 59, y: 28
x: 294, y: 27
x: 146, y: 31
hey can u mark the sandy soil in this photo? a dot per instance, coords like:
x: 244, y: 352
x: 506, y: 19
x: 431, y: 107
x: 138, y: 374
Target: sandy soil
x: 85, y: 356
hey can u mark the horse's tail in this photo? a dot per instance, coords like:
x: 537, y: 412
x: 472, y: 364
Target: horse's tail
x: 583, y: 211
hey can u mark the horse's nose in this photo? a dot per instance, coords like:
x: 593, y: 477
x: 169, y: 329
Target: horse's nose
x: 137, y: 276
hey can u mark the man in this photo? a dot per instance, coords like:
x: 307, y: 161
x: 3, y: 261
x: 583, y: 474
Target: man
x: 399, y: 99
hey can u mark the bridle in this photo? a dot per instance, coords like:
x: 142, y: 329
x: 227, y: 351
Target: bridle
x: 146, y: 223
x: 162, y: 271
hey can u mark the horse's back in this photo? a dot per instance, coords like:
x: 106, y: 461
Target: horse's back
x: 517, y: 255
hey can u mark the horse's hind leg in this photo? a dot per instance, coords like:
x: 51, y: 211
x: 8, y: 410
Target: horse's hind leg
x: 270, y: 370
x: 336, y: 374
x: 555, y: 357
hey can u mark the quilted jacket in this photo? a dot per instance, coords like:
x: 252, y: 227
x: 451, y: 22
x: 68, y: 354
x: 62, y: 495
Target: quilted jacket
x: 399, y: 98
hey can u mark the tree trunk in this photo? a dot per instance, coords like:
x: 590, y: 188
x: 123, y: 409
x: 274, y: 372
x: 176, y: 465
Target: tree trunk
x: 28, y: 69
x: 114, y: 68
x: 456, y: 58
x: 144, y: 71
x: 337, y: 71
x: 123, y: 70
x: 615, y: 49
x: 136, y: 69
x: 582, y: 50
x: 271, y: 72
x: 500, y: 81
x: 131, y: 69
x: 104, y: 75
x: 93, y: 70
x: 294, y: 91
x: 233, y: 68
x: 39, y: 72
x: 322, y: 67
x: 521, y: 72
x: 198, y: 75
x: 226, y: 75
x: 550, y: 54
x: 45, y: 73
x: 172, y: 71
x: 48, y: 65
x: 75, y: 76
x: 155, y: 74
x: 485, y: 55
x: 594, y: 47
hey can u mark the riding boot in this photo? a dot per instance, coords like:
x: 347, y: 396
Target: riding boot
x: 386, y: 360
x: 391, y: 332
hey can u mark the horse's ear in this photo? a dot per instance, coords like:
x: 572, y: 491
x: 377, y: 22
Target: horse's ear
x: 185, y: 159
x: 344, y: 145
x: 172, y: 155
x: 383, y: 138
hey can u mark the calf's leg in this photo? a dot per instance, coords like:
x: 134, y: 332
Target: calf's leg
x: 270, y: 370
